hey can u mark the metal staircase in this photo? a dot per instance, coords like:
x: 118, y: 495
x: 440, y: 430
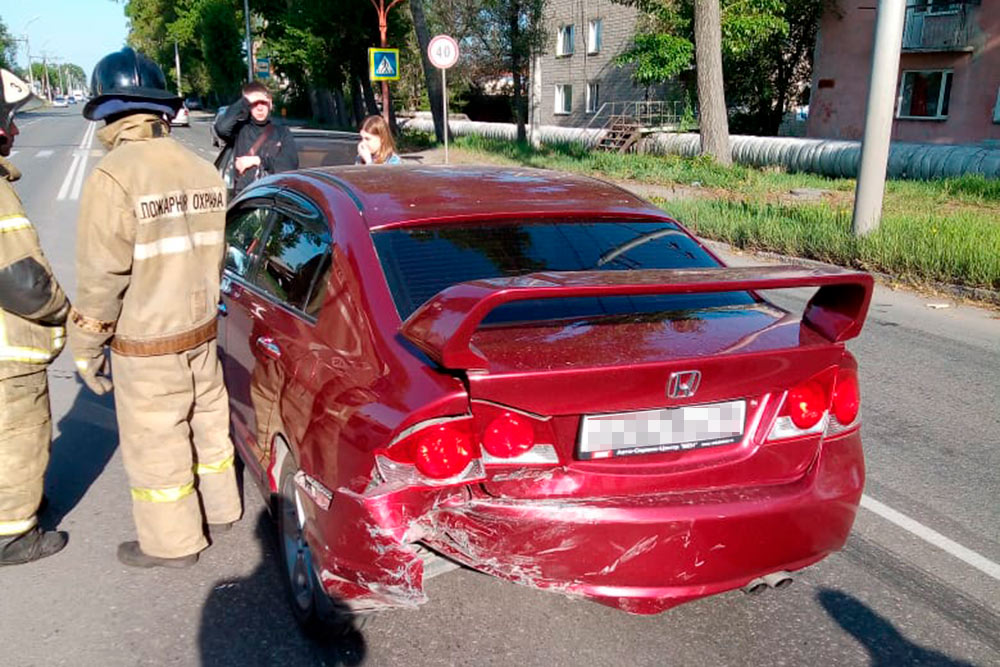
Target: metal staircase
x: 621, y: 132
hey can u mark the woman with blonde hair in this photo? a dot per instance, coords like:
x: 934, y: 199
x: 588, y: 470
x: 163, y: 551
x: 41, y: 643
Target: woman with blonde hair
x: 376, y: 145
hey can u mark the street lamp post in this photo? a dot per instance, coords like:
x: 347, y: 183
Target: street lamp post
x: 383, y: 26
x: 27, y: 49
x: 246, y: 15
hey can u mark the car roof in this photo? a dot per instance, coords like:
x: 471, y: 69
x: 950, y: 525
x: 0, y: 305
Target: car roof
x: 404, y: 195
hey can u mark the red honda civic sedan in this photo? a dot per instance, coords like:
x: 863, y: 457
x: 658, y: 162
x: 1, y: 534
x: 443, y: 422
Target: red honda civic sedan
x: 535, y: 375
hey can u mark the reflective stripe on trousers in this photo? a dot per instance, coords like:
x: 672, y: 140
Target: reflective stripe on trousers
x: 170, y: 495
x: 8, y: 528
x: 210, y: 468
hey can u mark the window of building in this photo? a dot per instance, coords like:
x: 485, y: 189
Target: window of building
x: 593, y: 91
x: 924, y: 94
x: 939, y: 6
x: 564, y: 42
x: 564, y: 99
x: 594, y: 33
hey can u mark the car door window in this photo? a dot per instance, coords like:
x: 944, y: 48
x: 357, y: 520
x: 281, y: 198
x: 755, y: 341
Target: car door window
x: 295, y: 264
x: 243, y: 237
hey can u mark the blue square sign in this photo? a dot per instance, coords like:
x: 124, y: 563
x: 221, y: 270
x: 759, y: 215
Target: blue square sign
x: 383, y: 64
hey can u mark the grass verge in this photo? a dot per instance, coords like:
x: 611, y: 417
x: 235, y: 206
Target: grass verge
x: 931, y: 231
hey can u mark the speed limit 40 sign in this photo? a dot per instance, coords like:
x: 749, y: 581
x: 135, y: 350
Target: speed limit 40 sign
x: 443, y: 51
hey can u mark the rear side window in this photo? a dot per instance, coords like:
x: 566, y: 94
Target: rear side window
x: 420, y: 262
x: 295, y: 264
x: 243, y: 235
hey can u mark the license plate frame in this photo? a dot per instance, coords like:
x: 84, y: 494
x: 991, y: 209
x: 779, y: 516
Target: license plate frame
x: 604, y: 436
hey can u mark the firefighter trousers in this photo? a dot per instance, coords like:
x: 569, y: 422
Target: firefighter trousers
x: 173, y: 424
x: 25, y: 437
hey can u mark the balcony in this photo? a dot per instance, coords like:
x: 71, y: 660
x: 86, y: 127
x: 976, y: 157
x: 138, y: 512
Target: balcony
x: 940, y: 25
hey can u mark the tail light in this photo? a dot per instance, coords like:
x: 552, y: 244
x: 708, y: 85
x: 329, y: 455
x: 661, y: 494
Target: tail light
x: 827, y: 403
x: 846, y: 397
x: 846, y: 402
x: 508, y: 436
x: 437, y: 452
x: 514, y: 437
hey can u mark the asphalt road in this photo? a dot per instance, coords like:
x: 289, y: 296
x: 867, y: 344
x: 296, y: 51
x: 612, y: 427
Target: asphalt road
x: 918, y: 583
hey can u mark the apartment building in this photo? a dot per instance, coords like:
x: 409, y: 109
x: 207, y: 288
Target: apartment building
x: 948, y: 88
x: 577, y: 71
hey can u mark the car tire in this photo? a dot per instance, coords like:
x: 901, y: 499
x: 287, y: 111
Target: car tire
x: 319, y: 616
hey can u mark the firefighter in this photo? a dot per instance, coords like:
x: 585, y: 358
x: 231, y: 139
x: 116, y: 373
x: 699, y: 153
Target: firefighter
x: 150, y: 243
x: 32, y: 314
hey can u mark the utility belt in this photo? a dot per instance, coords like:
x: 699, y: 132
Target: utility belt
x: 174, y: 344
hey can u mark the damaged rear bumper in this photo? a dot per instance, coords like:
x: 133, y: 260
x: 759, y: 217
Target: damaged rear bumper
x: 642, y: 554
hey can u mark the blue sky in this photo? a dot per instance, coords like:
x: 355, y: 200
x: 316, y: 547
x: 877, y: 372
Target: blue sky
x: 78, y: 31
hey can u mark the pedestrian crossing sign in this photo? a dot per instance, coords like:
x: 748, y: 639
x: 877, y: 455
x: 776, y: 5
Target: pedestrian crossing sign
x: 383, y: 64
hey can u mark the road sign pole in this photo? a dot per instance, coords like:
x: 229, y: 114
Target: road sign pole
x: 444, y: 107
x: 442, y: 51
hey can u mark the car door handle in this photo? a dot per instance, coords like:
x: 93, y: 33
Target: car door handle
x: 268, y: 347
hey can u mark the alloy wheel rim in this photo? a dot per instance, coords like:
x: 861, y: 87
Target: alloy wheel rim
x: 298, y: 556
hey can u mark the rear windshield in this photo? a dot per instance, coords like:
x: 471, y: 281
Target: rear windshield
x: 420, y: 262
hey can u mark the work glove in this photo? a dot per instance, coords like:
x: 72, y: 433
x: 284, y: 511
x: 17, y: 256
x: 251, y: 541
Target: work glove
x: 93, y: 370
x: 87, y: 338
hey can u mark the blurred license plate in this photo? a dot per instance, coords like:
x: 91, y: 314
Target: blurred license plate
x: 657, y: 431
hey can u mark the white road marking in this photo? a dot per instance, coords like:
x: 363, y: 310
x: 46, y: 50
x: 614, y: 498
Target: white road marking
x: 64, y: 190
x: 13, y: 153
x: 964, y: 554
x: 77, y: 169
x: 82, y: 171
x: 44, y: 154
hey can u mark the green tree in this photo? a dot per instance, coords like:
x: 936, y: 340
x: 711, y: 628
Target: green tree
x: 8, y: 48
x: 507, y: 33
x: 208, y: 35
x: 766, y: 49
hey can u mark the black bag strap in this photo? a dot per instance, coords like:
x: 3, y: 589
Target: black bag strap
x: 268, y: 131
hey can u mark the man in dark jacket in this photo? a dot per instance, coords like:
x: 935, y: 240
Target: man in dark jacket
x: 260, y: 147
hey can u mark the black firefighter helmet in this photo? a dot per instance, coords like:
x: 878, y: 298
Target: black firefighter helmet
x: 131, y: 79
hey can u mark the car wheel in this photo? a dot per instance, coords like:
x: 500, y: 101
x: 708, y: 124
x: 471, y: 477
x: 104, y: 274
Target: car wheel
x: 317, y: 614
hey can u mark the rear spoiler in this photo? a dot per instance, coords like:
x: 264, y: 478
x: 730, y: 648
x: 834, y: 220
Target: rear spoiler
x: 443, y: 327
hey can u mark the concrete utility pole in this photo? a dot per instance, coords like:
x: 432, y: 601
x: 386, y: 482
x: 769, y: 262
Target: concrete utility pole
x: 246, y: 14
x: 878, y: 116
x: 177, y: 66
x: 27, y: 49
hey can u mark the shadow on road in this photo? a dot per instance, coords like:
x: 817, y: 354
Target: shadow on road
x: 88, y: 436
x: 884, y: 643
x: 248, y: 621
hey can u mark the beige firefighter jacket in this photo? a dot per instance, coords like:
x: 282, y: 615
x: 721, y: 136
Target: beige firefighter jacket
x: 32, y: 304
x: 150, y: 243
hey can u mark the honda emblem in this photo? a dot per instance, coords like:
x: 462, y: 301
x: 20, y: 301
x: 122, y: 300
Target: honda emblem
x: 683, y: 384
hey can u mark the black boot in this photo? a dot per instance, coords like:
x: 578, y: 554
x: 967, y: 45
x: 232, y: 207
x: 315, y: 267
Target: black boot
x: 130, y: 554
x: 29, y: 546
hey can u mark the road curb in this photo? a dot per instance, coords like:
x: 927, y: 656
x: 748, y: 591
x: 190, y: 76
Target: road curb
x: 976, y: 294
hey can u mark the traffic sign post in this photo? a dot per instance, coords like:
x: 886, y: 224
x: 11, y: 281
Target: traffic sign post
x: 443, y: 53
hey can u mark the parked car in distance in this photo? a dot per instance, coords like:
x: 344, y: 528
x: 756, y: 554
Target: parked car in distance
x: 216, y: 140
x: 71, y: 99
x: 182, y: 117
x: 59, y: 101
x: 537, y: 375
x: 193, y: 103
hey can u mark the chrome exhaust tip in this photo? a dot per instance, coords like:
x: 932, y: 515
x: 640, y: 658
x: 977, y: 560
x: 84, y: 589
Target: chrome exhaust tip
x: 755, y: 587
x: 779, y: 580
